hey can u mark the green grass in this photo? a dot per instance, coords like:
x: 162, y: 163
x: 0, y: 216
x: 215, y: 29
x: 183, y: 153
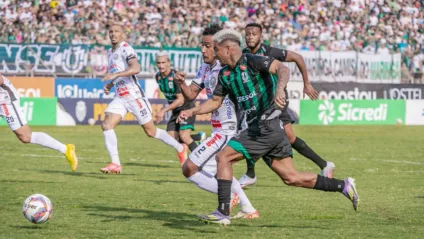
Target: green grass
x: 152, y: 199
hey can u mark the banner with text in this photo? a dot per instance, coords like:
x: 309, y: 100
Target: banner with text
x: 352, y: 112
x: 33, y: 86
x: 91, y: 60
x: 358, y: 91
x: 82, y: 109
x: 84, y: 88
x: 38, y: 111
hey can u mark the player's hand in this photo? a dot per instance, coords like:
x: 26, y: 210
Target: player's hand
x: 180, y: 77
x: 107, y: 88
x: 159, y: 116
x: 184, y: 115
x: 280, y: 100
x: 310, y: 91
x: 110, y: 76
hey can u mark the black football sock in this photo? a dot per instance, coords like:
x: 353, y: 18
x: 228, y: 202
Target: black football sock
x: 224, y: 196
x: 196, y: 137
x: 192, y: 146
x: 329, y: 184
x: 304, y: 150
x: 250, y: 170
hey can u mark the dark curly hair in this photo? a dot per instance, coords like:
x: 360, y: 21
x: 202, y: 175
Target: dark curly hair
x: 211, y: 30
x: 254, y: 24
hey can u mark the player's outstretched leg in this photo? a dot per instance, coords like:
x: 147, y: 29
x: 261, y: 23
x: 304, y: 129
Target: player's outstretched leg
x: 208, y: 182
x: 111, y: 142
x: 301, y: 147
x: 287, y: 172
x: 25, y: 135
x: 199, y: 137
x: 185, y: 137
x: 153, y: 132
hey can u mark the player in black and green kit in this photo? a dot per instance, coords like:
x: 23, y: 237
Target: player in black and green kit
x: 176, y: 103
x: 249, y: 80
x: 254, y: 46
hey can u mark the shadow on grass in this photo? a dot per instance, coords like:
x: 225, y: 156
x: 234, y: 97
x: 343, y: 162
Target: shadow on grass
x: 21, y: 181
x: 151, y: 165
x: 33, y: 227
x: 174, y: 220
x: 422, y: 197
x: 98, y: 175
x: 178, y: 220
x: 159, y: 182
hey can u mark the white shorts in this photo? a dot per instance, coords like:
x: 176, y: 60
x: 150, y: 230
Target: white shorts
x: 204, y: 155
x: 13, y: 114
x: 139, y: 107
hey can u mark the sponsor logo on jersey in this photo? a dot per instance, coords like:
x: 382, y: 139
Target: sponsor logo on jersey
x: 115, y: 56
x: 246, y: 97
x: 213, y: 140
x: 5, y: 110
x: 216, y: 124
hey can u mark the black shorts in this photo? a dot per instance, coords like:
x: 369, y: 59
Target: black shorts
x: 285, y: 116
x: 174, y: 126
x: 267, y: 140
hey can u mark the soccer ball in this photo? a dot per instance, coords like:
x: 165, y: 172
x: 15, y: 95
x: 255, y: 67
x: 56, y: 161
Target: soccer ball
x: 37, y: 208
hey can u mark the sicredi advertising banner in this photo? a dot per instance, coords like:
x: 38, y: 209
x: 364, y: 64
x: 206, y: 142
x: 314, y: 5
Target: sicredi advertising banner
x: 352, y: 112
x: 38, y: 111
x: 84, y: 88
x: 33, y: 86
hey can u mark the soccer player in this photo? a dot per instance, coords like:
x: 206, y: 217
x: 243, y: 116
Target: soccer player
x: 254, y: 46
x: 248, y: 80
x: 200, y: 167
x: 166, y: 81
x: 122, y: 69
x: 11, y: 111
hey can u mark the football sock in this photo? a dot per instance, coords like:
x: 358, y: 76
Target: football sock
x: 47, y: 141
x: 224, y: 196
x: 192, y: 146
x: 167, y: 139
x: 236, y: 188
x: 250, y: 170
x: 329, y: 184
x: 204, y: 182
x: 304, y: 150
x: 111, y: 143
x: 196, y: 137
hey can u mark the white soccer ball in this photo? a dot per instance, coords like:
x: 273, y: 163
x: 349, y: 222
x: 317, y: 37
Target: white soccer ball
x: 91, y: 121
x: 37, y: 208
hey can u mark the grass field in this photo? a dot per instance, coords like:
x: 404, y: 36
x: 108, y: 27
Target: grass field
x: 152, y: 199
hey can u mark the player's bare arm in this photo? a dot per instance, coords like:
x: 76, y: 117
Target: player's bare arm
x: 283, y: 74
x: 133, y: 69
x: 190, y: 92
x: 177, y: 103
x: 1, y: 79
x: 208, y: 106
x: 300, y: 63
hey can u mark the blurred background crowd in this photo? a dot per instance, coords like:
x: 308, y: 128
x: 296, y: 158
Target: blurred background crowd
x: 368, y: 26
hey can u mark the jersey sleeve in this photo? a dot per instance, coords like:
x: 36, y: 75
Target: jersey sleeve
x: 277, y: 53
x: 221, y: 88
x: 198, y: 80
x: 128, y: 53
x: 259, y: 63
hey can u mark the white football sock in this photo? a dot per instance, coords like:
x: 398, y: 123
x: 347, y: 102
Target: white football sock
x: 205, y: 182
x: 244, y: 201
x: 111, y: 143
x: 47, y: 141
x: 167, y: 139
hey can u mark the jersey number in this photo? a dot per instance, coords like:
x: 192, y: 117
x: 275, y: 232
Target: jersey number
x: 143, y: 112
x: 10, y: 120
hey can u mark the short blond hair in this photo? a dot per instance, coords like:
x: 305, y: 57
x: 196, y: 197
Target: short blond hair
x: 228, y: 35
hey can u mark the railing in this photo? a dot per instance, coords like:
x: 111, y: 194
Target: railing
x: 90, y: 61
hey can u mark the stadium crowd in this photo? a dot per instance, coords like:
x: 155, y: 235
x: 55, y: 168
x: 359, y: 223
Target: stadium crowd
x: 369, y: 26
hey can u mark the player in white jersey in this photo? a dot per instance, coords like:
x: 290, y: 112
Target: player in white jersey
x: 11, y: 111
x: 201, y: 166
x: 122, y: 69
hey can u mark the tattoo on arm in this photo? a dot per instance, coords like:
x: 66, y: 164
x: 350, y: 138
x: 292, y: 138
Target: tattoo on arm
x: 283, y: 74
